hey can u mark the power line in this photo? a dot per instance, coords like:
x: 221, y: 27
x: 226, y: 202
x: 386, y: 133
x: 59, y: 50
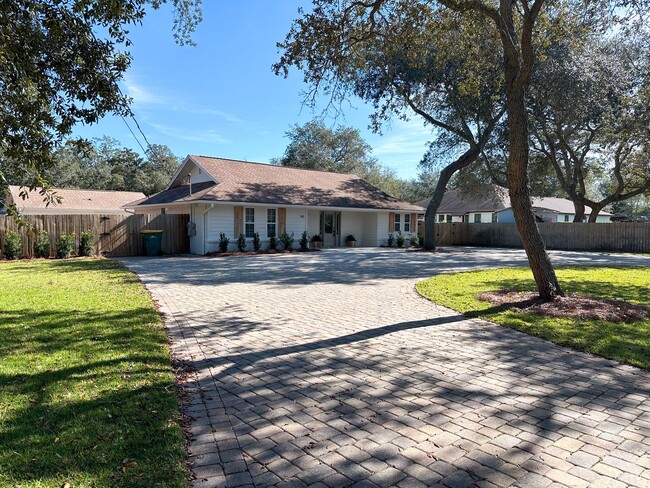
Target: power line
x: 140, y: 130
x: 134, y: 136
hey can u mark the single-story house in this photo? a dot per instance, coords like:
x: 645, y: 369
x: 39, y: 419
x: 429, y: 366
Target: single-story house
x: 237, y: 197
x: 459, y: 207
x: 73, y: 201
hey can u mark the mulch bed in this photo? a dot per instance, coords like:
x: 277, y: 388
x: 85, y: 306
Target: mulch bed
x: 575, y: 306
x: 217, y: 254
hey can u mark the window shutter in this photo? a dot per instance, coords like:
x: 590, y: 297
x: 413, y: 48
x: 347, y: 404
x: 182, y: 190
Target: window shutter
x: 282, y: 221
x: 391, y: 222
x: 239, y: 221
x: 414, y: 223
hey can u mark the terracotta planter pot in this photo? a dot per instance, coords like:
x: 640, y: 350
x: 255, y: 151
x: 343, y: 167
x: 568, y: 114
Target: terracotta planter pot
x: 351, y: 243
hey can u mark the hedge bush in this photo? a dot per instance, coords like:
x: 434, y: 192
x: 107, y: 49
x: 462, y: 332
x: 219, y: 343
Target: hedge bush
x: 42, y: 245
x: 13, y: 245
x: 65, y: 245
x: 86, y: 246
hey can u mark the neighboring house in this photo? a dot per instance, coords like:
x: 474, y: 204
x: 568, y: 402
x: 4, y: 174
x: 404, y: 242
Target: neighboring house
x: 73, y: 201
x: 237, y: 197
x: 456, y: 207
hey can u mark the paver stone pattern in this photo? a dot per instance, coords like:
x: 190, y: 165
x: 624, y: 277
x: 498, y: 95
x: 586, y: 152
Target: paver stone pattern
x: 328, y: 370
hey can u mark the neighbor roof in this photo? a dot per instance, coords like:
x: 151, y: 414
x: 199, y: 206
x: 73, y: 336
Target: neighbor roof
x: 74, y: 200
x: 245, y: 182
x: 456, y: 203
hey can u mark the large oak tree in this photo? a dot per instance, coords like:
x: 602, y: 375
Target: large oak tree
x: 590, y: 117
x: 323, y: 40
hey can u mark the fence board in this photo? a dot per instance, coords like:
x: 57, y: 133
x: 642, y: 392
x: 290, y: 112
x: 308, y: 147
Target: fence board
x: 115, y: 235
x: 615, y: 236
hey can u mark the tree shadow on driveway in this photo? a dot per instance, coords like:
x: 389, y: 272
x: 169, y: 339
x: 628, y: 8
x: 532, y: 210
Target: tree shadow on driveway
x: 441, y: 401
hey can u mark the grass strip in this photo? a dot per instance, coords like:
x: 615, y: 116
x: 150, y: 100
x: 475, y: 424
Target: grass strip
x: 87, y: 395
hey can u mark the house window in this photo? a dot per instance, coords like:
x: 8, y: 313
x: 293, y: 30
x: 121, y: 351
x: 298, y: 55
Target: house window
x: 449, y: 219
x: 441, y: 218
x: 566, y: 218
x: 398, y: 221
x: 271, y: 222
x: 466, y: 218
x: 495, y: 217
x: 407, y: 222
x: 249, y: 222
x: 477, y: 218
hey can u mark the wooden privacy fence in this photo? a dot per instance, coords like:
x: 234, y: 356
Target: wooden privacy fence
x: 114, y: 235
x: 615, y: 236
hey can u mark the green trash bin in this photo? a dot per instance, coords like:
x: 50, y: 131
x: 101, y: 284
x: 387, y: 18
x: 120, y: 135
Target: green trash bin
x: 151, y: 242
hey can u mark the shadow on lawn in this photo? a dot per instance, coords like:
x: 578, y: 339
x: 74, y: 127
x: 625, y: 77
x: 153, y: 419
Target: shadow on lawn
x: 36, y: 332
x: 407, y: 396
x: 81, y: 392
x: 86, y: 441
x: 582, y: 285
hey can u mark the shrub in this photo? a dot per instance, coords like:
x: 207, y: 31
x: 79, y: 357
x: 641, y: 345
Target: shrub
x: 400, y: 239
x: 223, y: 242
x: 414, y: 240
x: 350, y: 238
x: 421, y: 240
x: 257, y: 243
x: 304, y: 241
x: 391, y: 240
x: 13, y: 245
x: 241, y: 243
x: 316, y: 238
x: 287, y: 241
x: 273, y: 242
x: 42, y: 244
x: 65, y: 245
x: 86, y: 246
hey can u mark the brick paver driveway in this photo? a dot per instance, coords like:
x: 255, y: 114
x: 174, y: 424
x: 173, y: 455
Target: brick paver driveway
x: 326, y: 369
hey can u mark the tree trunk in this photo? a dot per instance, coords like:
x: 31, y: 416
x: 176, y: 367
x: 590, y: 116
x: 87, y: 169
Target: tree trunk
x: 466, y: 159
x: 593, y: 215
x: 580, y: 211
x: 540, y: 264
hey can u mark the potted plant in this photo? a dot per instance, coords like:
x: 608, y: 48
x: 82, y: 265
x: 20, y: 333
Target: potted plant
x: 350, y: 240
x: 316, y: 241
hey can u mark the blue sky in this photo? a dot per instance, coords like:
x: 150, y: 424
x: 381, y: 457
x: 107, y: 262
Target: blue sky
x: 221, y: 98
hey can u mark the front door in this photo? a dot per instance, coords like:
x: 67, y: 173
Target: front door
x: 330, y: 224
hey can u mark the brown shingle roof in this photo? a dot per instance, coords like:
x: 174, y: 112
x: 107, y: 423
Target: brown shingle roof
x: 456, y: 203
x: 74, y: 200
x: 239, y: 181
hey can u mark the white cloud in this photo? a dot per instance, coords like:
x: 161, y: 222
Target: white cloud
x: 144, y: 95
x: 141, y: 94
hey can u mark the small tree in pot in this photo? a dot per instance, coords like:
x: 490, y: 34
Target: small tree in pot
x: 350, y: 240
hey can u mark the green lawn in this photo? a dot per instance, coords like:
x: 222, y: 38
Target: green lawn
x: 87, y: 396
x: 625, y: 342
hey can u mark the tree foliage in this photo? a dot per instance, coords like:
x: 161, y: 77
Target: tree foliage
x: 60, y: 64
x: 105, y: 165
x: 591, y: 120
x: 343, y: 150
x: 409, y: 59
